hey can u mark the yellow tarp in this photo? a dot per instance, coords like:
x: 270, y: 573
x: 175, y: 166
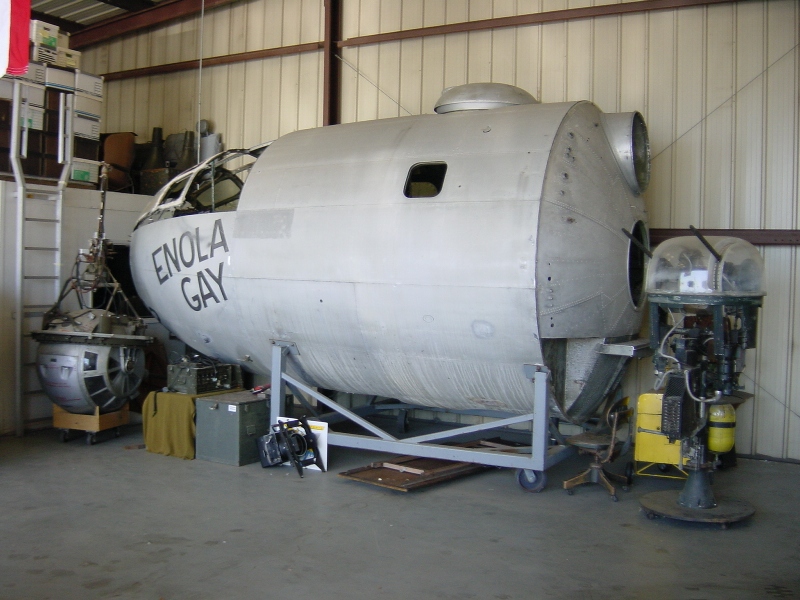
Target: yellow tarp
x: 168, y: 423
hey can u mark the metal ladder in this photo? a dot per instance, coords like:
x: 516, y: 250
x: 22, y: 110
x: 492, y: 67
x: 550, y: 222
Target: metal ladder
x: 41, y: 278
x: 38, y: 261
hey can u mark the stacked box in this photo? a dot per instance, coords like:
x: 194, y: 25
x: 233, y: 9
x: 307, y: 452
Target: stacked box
x: 88, y: 106
x: 68, y: 58
x: 44, y: 54
x: 86, y: 127
x: 89, y: 84
x: 35, y: 74
x: 30, y: 93
x: 84, y: 171
x: 228, y: 426
x: 53, y: 72
x: 33, y: 117
x: 44, y: 34
x: 44, y: 38
x: 61, y: 79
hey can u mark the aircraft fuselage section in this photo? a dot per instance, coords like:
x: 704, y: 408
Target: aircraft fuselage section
x: 428, y: 258
x: 184, y: 276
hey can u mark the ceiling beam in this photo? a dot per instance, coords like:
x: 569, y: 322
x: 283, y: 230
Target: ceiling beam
x: 163, y: 12
x: 227, y: 59
x: 168, y: 10
x: 552, y: 16
x: 757, y: 237
x: 130, y: 5
x: 63, y: 24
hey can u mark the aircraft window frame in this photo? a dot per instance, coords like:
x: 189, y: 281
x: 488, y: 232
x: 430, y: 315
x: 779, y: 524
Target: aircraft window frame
x: 425, y: 180
x: 178, y: 197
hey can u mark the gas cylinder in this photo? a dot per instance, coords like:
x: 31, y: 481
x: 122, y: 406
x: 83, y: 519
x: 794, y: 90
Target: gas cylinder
x: 721, y: 428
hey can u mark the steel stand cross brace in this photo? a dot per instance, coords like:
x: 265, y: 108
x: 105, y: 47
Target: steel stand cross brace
x: 537, y: 457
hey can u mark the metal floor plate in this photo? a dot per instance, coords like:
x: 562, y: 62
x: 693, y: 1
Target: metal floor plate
x: 665, y: 504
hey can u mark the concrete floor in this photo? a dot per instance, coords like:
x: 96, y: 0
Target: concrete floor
x: 110, y: 521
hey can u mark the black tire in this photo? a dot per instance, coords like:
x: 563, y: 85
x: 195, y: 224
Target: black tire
x: 91, y: 439
x: 64, y: 436
x: 531, y: 481
x: 664, y: 468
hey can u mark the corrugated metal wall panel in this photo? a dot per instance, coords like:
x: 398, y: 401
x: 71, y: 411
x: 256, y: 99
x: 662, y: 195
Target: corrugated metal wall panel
x: 580, y: 58
x: 411, y: 57
x: 689, y: 114
x: 771, y: 377
x: 792, y: 421
x: 397, y: 58
x: 247, y: 102
x: 717, y: 86
x: 716, y: 192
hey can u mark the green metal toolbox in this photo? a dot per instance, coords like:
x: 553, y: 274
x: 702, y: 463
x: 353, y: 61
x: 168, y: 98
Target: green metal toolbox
x: 228, y: 425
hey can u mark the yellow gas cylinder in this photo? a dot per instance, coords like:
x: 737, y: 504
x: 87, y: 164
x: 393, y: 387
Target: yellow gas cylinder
x: 721, y: 428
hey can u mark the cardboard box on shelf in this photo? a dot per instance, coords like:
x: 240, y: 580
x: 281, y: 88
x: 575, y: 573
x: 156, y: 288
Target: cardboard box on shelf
x: 85, y: 171
x: 88, y: 83
x: 44, y: 34
x: 62, y: 79
x: 68, y: 58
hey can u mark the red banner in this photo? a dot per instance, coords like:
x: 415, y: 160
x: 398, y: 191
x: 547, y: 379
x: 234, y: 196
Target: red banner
x: 19, y: 36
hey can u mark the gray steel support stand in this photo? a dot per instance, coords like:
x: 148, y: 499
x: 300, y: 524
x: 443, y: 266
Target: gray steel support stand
x: 537, y: 457
x: 277, y: 389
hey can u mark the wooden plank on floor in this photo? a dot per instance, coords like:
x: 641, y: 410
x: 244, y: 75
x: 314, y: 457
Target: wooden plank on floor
x: 407, y: 473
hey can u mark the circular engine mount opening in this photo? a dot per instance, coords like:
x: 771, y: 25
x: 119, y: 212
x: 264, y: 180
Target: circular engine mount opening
x: 637, y: 265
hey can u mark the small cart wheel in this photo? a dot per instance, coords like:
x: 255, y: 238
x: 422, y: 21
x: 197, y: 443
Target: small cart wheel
x: 64, y: 436
x: 570, y: 492
x: 117, y: 432
x: 663, y: 467
x: 614, y: 498
x: 91, y: 439
x: 531, y: 481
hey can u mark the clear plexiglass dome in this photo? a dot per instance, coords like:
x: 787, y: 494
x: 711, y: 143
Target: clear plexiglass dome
x: 685, y: 266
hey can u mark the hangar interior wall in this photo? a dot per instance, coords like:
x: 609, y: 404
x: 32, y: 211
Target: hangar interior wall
x: 718, y: 86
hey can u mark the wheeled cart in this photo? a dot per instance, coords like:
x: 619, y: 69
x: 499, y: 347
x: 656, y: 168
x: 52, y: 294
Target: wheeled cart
x: 531, y: 461
x: 90, y: 424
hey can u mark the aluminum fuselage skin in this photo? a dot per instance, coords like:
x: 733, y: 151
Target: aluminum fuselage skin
x: 438, y: 301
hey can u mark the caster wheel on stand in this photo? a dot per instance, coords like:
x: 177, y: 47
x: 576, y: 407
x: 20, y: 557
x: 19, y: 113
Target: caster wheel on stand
x: 531, y: 481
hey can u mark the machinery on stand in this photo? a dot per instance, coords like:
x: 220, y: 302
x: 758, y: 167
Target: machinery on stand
x: 704, y: 298
x: 91, y: 355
